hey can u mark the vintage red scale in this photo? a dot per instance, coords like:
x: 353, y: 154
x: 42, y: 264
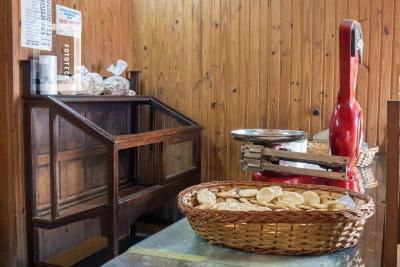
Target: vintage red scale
x: 345, y: 133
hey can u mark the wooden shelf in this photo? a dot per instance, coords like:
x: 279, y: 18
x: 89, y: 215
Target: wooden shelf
x: 121, y: 125
x: 88, y: 208
x: 85, y: 99
x: 84, y: 210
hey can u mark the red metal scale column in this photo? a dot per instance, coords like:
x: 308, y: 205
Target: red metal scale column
x: 346, y: 123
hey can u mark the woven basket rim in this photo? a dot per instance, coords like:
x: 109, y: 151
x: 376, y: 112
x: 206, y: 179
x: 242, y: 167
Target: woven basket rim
x: 347, y: 215
x: 371, y: 147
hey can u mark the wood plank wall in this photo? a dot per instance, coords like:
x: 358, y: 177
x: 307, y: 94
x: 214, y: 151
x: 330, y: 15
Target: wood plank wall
x: 7, y: 230
x: 246, y: 63
x: 226, y: 63
x: 12, y: 211
x: 255, y: 63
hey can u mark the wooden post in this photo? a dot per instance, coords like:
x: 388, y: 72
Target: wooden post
x: 151, y: 157
x: 135, y: 151
x: 30, y: 178
x: 391, y: 232
x: 54, y: 183
x: 162, y: 158
x: 112, y: 178
x: 198, y: 156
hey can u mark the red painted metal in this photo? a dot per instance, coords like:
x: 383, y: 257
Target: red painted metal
x: 345, y: 132
x: 346, y: 122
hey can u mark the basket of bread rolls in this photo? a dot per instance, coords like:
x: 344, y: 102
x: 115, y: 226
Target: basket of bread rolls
x: 286, y: 219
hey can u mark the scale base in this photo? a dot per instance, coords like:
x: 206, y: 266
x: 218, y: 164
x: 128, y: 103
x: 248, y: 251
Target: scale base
x: 352, y: 183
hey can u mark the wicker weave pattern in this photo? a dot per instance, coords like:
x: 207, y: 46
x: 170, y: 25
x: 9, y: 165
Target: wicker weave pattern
x: 277, y: 232
x: 364, y: 159
x: 367, y: 156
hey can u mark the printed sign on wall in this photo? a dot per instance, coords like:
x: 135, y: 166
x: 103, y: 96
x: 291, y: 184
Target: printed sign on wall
x: 36, y: 24
x: 69, y: 22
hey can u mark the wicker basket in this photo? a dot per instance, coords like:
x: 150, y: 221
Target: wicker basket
x: 364, y: 159
x: 368, y: 178
x: 277, y: 232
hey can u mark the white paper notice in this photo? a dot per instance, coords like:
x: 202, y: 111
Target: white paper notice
x: 36, y: 24
x: 69, y: 21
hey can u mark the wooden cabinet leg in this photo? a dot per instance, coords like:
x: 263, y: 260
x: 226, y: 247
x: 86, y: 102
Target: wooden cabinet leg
x: 112, y: 238
x: 33, y: 246
x: 132, y: 232
x: 112, y: 231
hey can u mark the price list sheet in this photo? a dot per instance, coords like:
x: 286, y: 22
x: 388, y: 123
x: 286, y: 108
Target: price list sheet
x: 36, y: 24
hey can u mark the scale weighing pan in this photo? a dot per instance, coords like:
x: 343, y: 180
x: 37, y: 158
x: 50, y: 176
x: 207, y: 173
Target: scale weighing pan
x: 268, y: 136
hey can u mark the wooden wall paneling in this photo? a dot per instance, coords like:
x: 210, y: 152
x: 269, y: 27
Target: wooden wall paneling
x: 182, y: 21
x: 195, y: 48
x: 363, y: 70
x: 265, y: 55
x: 341, y: 13
x: 86, y: 35
x: 275, y: 63
x: 146, y: 28
x: 170, y: 71
x: 12, y: 212
x: 142, y: 62
x: 244, y: 65
x: 144, y: 43
x: 328, y: 99
x: 187, y: 60
x: 374, y: 77
x: 295, y: 67
x: 93, y: 39
x: 107, y: 11
x: 236, y: 93
x: 111, y: 34
x: 163, y: 33
x: 207, y: 80
x: 223, y: 134
x: 306, y: 62
x: 178, y: 69
x: 253, y: 100
x: 395, y: 88
x: 386, y: 66
x: 178, y: 65
x: 161, y: 46
x: 317, y: 91
x: 132, y: 25
x: 196, y: 54
x: 215, y: 102
x: 353, y: 9
x: 285, y: 68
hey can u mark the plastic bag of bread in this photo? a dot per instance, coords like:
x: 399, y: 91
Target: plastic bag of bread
x: 88, y: 83
x: 66, y: 85
x: 116, y: 84
x: 82, y: 80
x: 97, y: 84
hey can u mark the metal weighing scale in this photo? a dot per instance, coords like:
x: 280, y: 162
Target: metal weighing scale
x: 268, y: 157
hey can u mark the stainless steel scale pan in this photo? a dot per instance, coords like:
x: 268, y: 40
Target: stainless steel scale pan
x: 268, y: 136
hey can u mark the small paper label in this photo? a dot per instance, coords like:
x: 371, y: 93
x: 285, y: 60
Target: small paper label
x: 69, y: 22
x: 347, y: 201
x: 36, y: 24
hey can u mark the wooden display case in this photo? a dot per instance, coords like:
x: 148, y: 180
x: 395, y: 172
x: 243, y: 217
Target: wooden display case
x: 112, y: 157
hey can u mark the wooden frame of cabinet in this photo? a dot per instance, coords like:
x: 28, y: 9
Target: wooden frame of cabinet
x: 391, y: 237
x: 118, y: 203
